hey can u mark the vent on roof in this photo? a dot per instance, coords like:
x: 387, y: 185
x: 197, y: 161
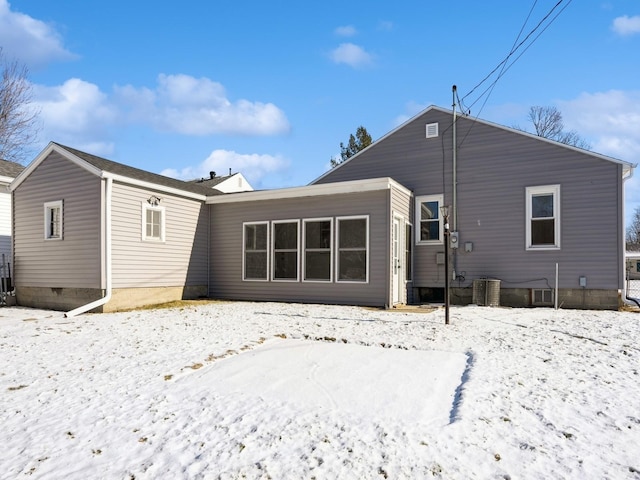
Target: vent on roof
x: 432, y: 130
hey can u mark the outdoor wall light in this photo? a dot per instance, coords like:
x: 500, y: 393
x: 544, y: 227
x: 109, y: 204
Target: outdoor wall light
x: 153, y: 200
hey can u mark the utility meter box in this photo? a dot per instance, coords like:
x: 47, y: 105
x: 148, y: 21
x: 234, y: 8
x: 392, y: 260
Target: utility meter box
x: 454, y: 239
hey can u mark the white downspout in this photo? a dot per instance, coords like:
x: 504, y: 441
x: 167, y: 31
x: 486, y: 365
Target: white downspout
x: 107, y: 257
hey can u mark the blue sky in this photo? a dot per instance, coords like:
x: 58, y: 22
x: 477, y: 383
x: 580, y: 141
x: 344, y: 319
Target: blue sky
x: 272, y: 88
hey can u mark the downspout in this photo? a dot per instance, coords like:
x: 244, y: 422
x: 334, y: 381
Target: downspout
x: 107, y: 256
x: 625, y: 297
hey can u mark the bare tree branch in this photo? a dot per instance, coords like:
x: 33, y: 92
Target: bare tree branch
x: 18, y: 117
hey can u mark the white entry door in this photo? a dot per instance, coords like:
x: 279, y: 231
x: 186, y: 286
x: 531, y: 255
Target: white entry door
x: 396, y: 262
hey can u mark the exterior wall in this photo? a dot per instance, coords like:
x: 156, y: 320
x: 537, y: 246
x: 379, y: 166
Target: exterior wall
x: 181, y: 260
x: 226, y: 280
x: 74, y: 261
x: 494, y: 168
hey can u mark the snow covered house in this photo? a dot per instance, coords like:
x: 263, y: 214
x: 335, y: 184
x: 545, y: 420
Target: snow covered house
x: 527, y: 214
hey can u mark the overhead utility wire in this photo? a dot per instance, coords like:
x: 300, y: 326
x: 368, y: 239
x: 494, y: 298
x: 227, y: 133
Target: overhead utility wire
x: 507, y: 67
x: 513, y: 50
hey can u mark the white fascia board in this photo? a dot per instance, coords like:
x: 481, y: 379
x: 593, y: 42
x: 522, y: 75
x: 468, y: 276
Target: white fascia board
x: 153, y: 186
x: 354, y: 186
x: 52, y: 147
x: 6, y: 180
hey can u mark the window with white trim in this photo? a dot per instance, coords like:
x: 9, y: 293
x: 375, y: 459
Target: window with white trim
x: 53, y: 220
x: 543, y: 217
x: 152, y: 223
x: 353, y: 249
x: 255, y: 258
x: 317, y: 260
x: 285, y: 250
x: 428, y: 219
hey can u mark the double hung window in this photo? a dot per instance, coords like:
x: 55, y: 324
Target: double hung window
x: 255, y: 259
x: 353, y: 246
x: 317, y: 250
x: 53, y: 220
x: 543, y: 217
x: 429, y: 220
x: 152, y: 223
x: 285, y: 250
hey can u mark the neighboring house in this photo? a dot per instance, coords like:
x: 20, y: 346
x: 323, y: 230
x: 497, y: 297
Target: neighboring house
x: 368, y: 232
x: 232, y: 183
x: 8, y: 171
x: 633, y: 266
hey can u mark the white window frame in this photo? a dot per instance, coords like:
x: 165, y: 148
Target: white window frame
x: 418, y: 223
x: 49, y: 207
x: 273, y: 250
x: 304, y: 249
x: 154, y: 208
x: 543, y: 190
x: 338, y: 249
x: 244, y: 252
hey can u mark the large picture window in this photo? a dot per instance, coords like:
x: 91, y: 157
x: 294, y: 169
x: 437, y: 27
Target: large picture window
x: 152, y: 223
x: 285, y: 250
x: 543, y: 217
x: 53, y: 220
x: 255, y: 257
x: 429, y: 220
x: 317, y: 250
x: 353, y: 246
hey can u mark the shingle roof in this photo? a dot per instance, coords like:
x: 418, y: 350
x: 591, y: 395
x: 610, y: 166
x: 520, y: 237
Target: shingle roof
x: 138, y: 174
x: 211, y: 182
x: 10, y: 169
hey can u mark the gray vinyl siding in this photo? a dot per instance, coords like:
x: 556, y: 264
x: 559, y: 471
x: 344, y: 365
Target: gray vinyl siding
x: 74, y: 261
x: 495, y: 166
x: 226, y: 249
x: 178, y: 261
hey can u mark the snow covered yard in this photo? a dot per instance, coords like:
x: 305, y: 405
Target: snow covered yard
x: 265, y: 390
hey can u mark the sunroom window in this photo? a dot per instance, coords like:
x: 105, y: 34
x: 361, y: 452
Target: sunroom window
x: 353, y: 246
x: 255, y: 258
x: 285, y: 250
x: 317, y: 250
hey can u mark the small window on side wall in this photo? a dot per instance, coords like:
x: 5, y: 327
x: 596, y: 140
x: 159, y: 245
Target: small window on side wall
x: 543, y: 217
x: 53, y: 220
x: 429, y: 220
x: 153, y: 223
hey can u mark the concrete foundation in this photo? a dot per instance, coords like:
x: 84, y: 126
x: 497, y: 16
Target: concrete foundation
x: 66, y: 299
x: 567, y: 298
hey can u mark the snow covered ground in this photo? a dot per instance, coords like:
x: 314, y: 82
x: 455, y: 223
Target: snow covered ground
x: 266, y: 390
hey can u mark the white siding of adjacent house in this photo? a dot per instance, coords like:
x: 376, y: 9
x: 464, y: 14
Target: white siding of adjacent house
x: 74, y: 261
x: 5, y: 223
x: 178, y: 261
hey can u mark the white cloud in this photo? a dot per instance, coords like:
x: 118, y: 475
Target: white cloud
x: 254, y: 167
x: 611, y: 122
x: 199, y: 106
x: 77, y: 113
x: 29, y: 40
x: 352, y: 55
x: 346, y: 31
x: 626, y: 25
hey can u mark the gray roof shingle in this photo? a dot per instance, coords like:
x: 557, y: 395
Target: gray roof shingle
x: 138, y: 174
x: 10, y: 169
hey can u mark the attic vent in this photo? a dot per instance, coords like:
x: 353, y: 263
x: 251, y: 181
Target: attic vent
x: 432, y: 130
